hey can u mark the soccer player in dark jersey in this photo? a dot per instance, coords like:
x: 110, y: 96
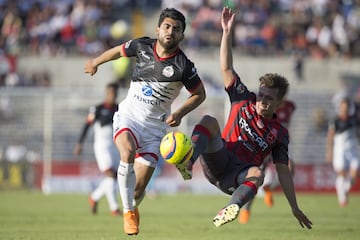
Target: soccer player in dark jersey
x: 283, y: 114
x: 231, y: 159
x: 161, y: 71
x: 343, y: 149
x: 106, y: 154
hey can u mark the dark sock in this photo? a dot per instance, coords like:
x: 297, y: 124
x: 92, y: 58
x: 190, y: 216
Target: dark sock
x: 244, y: 193
x: 200, y: 139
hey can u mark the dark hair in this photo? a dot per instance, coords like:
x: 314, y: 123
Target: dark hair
x: 273, y: 80
x: 173, y: 14
x: 114, y: 86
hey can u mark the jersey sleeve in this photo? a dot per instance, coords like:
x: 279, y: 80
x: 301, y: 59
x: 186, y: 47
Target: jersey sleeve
x: 238, y: 91
x: 131, y: 47
x: 191, y: 79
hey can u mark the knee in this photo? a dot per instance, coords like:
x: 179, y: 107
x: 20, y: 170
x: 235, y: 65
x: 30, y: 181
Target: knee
x: 210, y: 123
x: 256, y: 176
x: 127, y: 155
x: 110, y: 173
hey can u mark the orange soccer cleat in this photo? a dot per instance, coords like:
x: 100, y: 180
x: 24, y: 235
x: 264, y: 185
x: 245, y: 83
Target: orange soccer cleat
x: 93, y: 205
x: 131, y: 225
x: 268, y: 198
x: 244, y: 216
x: 116, y: 213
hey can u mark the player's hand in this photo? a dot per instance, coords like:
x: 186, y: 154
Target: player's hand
x: 227, y: 18
x: 302, y: 218
x: 173, y: 120
x: 77, y: 149
x: 90, y: 67
x: 329, y: 156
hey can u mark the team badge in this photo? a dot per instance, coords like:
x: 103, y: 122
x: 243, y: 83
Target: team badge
x: 168, y: 71
x: 147, y: 90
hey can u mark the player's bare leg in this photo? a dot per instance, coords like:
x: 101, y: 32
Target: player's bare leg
x: 127, y: 180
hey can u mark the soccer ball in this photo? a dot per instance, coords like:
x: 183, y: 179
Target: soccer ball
x: 176, y: 147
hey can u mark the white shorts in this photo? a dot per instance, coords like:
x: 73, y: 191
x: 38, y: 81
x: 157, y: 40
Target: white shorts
x: 147, y: 138
x: 107, y: 156
x: 345, y: 157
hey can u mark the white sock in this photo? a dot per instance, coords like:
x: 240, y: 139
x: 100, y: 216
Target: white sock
x: 99, y: 192
x: 126, y: 181
x: 340, y: 188
x: 110, y: 192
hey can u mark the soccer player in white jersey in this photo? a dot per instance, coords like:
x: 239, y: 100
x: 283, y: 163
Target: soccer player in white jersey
x: 342, y: 149
x: 161, y: 70
x: 106, y: 154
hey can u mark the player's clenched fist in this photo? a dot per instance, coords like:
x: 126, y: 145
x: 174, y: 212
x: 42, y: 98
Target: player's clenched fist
x: 90, y: 67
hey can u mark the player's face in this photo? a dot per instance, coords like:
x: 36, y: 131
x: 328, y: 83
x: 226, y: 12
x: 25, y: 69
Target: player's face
x: 343, y: 109
x: 170, y: 33
x: 110, y: 95
x: 267, y: 101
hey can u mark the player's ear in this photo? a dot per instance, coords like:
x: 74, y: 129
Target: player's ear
x: 157, y: 30
x: 182, y: 36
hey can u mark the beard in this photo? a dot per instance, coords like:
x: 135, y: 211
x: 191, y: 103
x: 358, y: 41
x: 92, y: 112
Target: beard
x: 168, y: 45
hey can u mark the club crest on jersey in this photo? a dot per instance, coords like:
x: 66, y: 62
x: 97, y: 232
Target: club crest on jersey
x: 147, y: 90
x: 168, y: 71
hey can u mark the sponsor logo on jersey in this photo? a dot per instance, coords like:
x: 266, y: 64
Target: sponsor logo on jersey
x: 168, y: 71
x: 153, y: 102
x: 147, y: 90
x: 259, y: 140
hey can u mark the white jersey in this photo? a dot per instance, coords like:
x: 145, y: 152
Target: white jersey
x: 156, y: 82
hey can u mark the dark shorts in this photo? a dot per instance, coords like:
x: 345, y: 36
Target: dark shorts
x: 222, y: 169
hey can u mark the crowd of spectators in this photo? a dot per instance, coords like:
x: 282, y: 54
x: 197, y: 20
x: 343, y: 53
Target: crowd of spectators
x: 46, y: 27
x: 315, y: 28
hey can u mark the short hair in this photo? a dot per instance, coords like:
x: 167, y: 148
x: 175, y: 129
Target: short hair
x: 114, y: 86
x: 274, y: 80
x: 173, y: 14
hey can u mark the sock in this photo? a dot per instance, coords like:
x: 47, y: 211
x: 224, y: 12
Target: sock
x: 244, y: 193
x: 200, y: 139
x: 349, y: 181
x: 248, y: 204
x: 99, y: 192
x: 136, y: 202
x: 340, y: 188
x: 126, y: 181
x: 110, y: 192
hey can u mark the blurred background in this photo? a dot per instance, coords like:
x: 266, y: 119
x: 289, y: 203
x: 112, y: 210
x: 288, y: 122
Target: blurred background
x: 45, y: 96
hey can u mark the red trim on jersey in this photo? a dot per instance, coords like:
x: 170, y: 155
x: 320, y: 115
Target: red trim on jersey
x: 232, y: 82
x: 195, y: 87
x: 153, y: 155
x: 202, y: 129
x: 162, y: 59
x: 251, y: 185
x: 123, y: 52
x: 131, y: 133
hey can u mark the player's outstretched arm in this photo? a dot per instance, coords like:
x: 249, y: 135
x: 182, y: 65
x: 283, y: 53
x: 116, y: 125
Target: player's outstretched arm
x: 111, y: 54
x: 226, y: 58
x: 287, y: 184
x: 196, y: 98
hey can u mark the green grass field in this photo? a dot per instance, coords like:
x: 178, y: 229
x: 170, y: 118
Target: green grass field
x: 32, y: 215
